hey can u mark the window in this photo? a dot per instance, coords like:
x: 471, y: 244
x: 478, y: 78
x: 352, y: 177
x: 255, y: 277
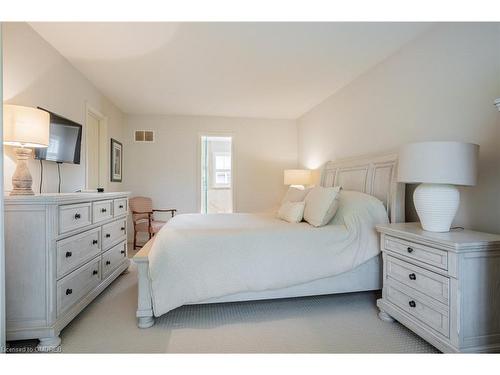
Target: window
x: 222, y: 170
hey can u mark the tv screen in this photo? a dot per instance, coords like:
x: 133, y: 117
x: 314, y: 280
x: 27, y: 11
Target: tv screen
x: 64, y: 141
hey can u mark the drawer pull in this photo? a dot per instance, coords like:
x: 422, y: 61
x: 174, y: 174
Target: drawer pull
x: 122, y: 252
x: 95, y: 272
x: 95, y: 242
x: 68, y: 254
x: 103, y: 210
x: 412, y: 276
x: 122, y: 228
x: 69, y: 291
x: 108, y: 262
x: 410, y: 249
x: 120, y: 206
x: 412, y: 304
x: 108, y: 235
x: 77, y: 216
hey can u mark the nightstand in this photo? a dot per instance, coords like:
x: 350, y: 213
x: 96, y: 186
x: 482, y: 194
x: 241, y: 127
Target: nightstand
x: 445, y: 287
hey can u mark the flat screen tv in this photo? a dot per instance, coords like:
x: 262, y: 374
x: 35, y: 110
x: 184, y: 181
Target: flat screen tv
x: 64, y: 141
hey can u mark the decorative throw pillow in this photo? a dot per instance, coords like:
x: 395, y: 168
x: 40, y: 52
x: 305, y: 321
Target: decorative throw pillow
x: 295, y: 195
x: 292, y: 211
x: 321, y: 205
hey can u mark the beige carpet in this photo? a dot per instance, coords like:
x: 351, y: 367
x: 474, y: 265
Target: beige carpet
x: 345, y: 323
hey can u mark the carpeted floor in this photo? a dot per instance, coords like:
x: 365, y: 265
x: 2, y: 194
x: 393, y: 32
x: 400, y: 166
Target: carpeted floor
x: 345, y: 323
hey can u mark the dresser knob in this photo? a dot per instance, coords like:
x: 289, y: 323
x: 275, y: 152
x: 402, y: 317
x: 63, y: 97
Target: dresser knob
x: 122, y: 252
x: 69, y: 291
x: 77, y: 216
x: 412, y: 276
x: 120, y: 206
x: 412, y: 304
x: 108, y: 262
x: 95, y: 272
x: 122, y: 228
x: 108, y: 235
x: 68, y: 254
x: 103, y: 210
x: 95, y: 242
x: 410, y: 250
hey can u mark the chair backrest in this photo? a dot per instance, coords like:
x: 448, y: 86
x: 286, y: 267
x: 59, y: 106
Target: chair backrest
x: 140, y: 204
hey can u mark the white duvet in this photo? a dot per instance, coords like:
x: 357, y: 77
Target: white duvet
x: 196, y: 257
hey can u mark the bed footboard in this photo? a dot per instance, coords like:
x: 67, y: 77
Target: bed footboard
x: 145, y: 318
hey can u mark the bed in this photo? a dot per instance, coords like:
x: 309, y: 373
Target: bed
x: 236, y: 257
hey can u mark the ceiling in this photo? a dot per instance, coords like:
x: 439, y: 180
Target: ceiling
x: 260, y: 70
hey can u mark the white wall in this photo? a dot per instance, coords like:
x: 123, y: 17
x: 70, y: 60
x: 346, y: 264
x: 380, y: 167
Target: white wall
x: 441, y: 86
x: 35, y: 74
x: 168, y: 169
x: 2, y: 252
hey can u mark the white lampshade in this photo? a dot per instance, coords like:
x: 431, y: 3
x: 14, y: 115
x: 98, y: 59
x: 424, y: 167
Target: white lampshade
x: 25, y: 126
x: 297, y: 177
x: 453, y: 163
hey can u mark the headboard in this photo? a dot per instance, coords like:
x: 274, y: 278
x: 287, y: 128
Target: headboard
x: 374, y: 175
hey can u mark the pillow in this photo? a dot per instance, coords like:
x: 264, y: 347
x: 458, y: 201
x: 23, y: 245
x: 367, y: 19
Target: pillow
x: 292, y: 211
x: 321, y: 205
x: 295, y: 195
x: 356, y: 207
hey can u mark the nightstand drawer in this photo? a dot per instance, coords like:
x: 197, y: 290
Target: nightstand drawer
x: 422, y: 253
x: 427, y: 282
x: 431, y: 314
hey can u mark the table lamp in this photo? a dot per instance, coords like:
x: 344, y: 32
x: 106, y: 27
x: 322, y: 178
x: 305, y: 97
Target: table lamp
x: 24, y: 127
x: 439, y: 167
x: 297, y: 177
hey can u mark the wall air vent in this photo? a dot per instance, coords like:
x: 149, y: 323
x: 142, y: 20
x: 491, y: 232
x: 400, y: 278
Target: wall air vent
x: 144, y: 136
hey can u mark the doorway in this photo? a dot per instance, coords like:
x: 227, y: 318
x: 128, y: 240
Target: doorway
x: 96, y: 150
x: 216, y: 174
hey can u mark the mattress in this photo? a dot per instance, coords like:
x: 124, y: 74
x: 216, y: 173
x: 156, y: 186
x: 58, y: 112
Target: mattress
x: 198, y: 257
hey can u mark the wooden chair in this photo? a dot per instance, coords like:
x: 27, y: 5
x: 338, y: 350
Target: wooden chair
x: 143, y: 217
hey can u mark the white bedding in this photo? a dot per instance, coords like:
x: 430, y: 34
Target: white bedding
x: 197, y: 257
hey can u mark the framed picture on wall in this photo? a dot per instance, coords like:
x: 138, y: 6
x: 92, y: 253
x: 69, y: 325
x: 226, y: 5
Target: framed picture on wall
x: 116, y: 161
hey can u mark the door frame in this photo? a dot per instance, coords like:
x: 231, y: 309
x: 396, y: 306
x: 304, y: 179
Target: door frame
x: 103, y: 147
x: 198, y: 166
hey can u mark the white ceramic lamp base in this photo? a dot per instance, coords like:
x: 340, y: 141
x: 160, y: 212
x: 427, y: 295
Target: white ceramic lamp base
x: 436, y: 205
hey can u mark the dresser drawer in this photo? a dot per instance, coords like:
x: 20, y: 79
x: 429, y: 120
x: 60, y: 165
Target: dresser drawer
x: 77, y: 284
x: 102, y: 210
x: 433, y: 315
x: 113, y: 258
x: 113, y: 233
x: 74, y: 251
x: 74, y: 216
x: 120, y: 206
x: 427, y: 282
x: 422, y: 253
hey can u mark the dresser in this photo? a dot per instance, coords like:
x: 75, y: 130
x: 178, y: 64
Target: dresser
x: 445, y: 287
x: 61, y: 251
